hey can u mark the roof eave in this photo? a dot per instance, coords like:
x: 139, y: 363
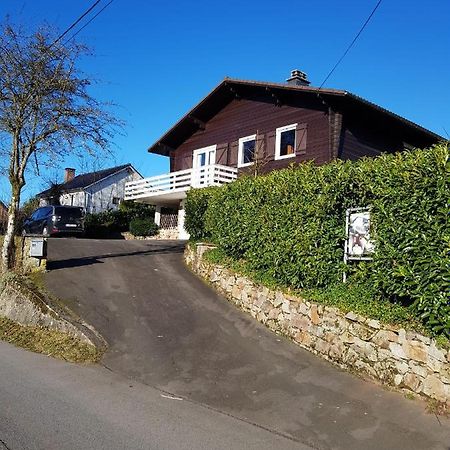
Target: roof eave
x: 408, y: 122
x: 234, y: 81
x: 158, y: 146
x: 153, y: 148
x: 128, y: 166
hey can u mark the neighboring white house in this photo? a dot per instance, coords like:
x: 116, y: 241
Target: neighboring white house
x: 95, y: 191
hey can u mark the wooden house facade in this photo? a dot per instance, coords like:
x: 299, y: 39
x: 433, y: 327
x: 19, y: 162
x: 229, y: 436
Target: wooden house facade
x: 244, y: 124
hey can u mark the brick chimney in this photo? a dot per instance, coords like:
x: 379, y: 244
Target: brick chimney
x: 298, y: 78
x: 69, y: 174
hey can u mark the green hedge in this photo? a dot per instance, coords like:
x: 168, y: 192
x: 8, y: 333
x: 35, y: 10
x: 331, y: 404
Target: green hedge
x: 143, y: 227
x: 196, y: 206
x: 289, y: 225
x: 105, y: 224
x: 112, y: 222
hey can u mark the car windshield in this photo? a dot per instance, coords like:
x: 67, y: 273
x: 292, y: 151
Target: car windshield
x: 66, y: 213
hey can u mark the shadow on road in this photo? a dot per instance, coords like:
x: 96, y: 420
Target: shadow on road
x: 97, y: 259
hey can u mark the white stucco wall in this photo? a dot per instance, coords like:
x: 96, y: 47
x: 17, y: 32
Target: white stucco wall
x: 99, y: 197
x: 182, y: 233
x: 73, y: 199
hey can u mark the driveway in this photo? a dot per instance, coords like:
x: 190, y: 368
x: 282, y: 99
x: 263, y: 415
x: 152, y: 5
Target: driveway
x: 169, y: 330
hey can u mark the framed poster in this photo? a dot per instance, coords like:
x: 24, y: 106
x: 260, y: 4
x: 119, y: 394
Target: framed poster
x: 358, y: 244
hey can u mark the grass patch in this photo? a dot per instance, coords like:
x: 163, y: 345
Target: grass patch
x: 361, y: 298
x: 409, y: 396
x: 49, y: 342
x: 43, y: 339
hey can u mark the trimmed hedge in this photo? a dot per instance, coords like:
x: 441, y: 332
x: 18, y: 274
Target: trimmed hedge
x: 290, y: 226
x: 195, y: 208
x: 143, y: 227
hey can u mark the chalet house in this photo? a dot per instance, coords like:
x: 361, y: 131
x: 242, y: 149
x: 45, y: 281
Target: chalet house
x: 95, y: 191
x: 246, y: 125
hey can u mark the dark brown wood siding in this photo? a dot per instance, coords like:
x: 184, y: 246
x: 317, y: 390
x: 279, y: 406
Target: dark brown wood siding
x: 371, y: 135
x: 246, y: 117
x: 356, y: 145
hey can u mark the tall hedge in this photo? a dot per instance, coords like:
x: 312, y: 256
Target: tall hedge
x: 196, y: 206
x: 290, y: 224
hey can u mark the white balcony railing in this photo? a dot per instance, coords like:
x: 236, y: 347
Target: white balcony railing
x: 173, y: 185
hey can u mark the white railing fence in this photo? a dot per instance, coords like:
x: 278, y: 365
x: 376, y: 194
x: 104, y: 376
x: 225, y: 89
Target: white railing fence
x: 180, y: 181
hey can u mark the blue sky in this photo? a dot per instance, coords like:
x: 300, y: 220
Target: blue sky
x: 158, y: 59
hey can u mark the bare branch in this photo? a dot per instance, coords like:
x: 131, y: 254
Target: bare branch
x: 46, y: 111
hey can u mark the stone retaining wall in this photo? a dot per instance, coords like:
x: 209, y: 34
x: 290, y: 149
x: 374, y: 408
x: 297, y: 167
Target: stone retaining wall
x: 161, y: 235
x: 24, y: 262
x: 389, y: 354
x: 20, y: 304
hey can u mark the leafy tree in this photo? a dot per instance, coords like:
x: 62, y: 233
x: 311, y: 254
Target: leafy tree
x: 46, y: 111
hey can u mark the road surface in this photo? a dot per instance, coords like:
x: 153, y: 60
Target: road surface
x: 51, y: 405
x: 167, y: 329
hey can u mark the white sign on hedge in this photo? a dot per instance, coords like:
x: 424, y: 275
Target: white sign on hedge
x: 358, y: 245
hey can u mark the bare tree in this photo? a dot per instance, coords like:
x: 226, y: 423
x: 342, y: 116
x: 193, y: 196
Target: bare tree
x: 45, y: 111
x: 53, y: 193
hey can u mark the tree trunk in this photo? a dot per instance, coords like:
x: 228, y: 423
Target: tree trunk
x: 8, y: 250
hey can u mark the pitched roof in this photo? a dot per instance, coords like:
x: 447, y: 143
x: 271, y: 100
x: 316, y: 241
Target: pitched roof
x: 84, y: 180
x: 230, y: 88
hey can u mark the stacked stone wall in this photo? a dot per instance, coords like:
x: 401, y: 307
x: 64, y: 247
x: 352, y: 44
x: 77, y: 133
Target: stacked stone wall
x: 389, y: 354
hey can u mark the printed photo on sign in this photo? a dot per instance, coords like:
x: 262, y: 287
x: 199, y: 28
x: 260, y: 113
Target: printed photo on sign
x: 359, y: 243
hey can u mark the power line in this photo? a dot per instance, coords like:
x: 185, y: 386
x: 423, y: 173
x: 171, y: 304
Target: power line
x: 88, y: 22
x: 75, y: 23
x: 72, y: 26
x: 351, y: 44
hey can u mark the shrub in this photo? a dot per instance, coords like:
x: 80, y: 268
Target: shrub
x: 143, y: 227
x: 105, y: 224
x: 108, y: 223
x: 196, y: 205
x: 134, y: 210
x: 94, y: 226
x: 289, y: 226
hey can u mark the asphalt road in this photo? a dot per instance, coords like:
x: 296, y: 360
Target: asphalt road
x: 50, y: 405
x: 167, y: 329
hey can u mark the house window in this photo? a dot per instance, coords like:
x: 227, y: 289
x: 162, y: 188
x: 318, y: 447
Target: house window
x: 246, y: 154
x: 204, y: 157
x: 285, y: 141
x: 116, y: 200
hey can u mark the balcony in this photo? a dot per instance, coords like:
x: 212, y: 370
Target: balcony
x: 170, y: 188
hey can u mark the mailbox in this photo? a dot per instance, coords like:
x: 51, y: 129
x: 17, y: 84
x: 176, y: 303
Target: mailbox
x: 38, y: 248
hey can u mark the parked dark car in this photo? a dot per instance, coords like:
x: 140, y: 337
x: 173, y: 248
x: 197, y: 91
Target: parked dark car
x: 55, y: 220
